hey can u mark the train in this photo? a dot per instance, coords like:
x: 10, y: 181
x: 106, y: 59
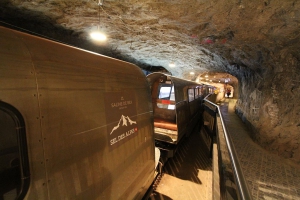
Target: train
x: 177, y: 107
x: 73, y: 124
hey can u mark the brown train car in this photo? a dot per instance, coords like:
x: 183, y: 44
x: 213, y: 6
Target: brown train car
x: 73, y: 124
x: 176, y: 108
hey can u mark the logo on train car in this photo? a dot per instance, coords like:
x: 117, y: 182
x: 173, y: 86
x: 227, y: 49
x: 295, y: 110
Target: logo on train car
x: 120, y: 110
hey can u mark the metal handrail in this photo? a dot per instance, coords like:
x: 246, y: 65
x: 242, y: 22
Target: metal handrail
x: 239, y: 177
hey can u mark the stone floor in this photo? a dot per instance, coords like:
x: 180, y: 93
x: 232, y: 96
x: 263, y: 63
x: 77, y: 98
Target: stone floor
x: 267, y: 175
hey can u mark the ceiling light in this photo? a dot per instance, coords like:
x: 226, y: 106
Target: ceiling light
x: 192, y: 73
x: 98, y: 36
x: 172, y: 64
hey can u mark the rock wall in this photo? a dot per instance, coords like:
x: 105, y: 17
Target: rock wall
x: 270, y: 105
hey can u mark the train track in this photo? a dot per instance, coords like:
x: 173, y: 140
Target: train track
x: 188, y: 175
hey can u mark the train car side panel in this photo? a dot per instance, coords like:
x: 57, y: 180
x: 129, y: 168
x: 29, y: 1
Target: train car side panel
x: 182, y: 119
x: 83, y: 139
x: 18, y: 77
x: 92, y: 121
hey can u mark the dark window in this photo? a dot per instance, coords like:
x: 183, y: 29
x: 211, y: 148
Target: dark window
x: 164, y: 92
x: 14, y: 169
x: 191, y: 94
x: 196, y: 93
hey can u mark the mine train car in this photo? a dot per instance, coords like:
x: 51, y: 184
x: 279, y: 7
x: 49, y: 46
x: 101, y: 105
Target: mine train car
x: 73, y: 124
x: 176, y: 108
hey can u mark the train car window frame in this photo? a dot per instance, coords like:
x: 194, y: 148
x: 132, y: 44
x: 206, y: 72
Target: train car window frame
x: 17, y: 168
x: 172, y: 95
x: 191, y: 94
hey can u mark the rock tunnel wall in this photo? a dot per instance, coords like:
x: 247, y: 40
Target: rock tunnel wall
x: 269, y: 104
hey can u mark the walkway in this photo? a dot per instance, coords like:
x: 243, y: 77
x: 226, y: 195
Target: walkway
x: 268, y: 176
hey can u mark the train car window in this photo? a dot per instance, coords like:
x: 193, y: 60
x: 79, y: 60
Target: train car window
x: 196, y: 93
x: 204, y: 90
x: 191, y: 93
x: 166, y: 97
x: 14, y: 167
x: 164, y: 92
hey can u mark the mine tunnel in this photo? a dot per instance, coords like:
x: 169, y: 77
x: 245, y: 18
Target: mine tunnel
x: 243, y: 54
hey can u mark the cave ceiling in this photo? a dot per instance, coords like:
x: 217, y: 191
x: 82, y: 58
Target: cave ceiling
x: 198, y: 36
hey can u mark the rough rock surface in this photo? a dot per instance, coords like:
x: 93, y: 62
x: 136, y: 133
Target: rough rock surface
x: 255, y: 41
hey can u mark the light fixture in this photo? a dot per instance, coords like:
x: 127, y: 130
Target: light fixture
x: 98, y: 35
x: 172, y: 64
x: 192, y: 73
x: 206, y: 75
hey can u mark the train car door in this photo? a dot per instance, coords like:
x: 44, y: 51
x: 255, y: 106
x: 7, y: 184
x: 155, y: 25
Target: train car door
x: 14, y: 168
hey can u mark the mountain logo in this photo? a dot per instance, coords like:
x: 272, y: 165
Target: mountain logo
x: 124, y: 120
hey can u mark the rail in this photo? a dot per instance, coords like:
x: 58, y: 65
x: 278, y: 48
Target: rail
x: 243, y: 192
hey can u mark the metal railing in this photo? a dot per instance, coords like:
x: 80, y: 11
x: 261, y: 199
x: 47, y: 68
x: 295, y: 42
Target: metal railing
x: 240, y: 183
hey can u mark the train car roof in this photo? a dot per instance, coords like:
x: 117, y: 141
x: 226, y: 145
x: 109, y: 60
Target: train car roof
x: 176, y: 81
x: 29, y: 34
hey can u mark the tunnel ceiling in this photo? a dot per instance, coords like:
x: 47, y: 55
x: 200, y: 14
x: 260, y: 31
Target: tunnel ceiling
x: 197, y: 35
